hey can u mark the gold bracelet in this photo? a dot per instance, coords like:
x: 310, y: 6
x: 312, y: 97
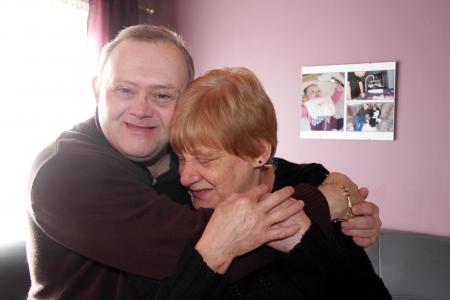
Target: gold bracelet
x: 349, y: 214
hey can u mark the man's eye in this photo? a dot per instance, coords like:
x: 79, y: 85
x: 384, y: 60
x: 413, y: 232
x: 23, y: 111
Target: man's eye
x: 124, y: 91
x: 163, y: 98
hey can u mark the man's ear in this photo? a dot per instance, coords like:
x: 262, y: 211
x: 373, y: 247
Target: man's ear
x: 95, y: 88
x: 266, y: 151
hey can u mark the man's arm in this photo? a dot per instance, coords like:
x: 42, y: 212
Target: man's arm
x: 288, y: 173
x: 99, y: 207
x: 103, y: 207
x: 364, y: 227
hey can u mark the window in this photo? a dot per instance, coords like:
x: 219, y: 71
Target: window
x: 45, y: 77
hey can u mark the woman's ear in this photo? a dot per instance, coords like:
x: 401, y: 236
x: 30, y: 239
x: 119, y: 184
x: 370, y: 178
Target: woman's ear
x: 263, y: 158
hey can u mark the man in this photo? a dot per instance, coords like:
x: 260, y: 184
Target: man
x: 99, y: 207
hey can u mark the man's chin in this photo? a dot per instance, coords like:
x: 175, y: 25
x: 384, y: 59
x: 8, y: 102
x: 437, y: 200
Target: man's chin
x: 147, y: 157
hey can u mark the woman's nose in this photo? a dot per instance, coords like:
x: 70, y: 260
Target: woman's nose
x: 188, y: 173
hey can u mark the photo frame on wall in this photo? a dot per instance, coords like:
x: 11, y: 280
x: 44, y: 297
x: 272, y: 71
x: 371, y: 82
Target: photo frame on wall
x: 354, y: 101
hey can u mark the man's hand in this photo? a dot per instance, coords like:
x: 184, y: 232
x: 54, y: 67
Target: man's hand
x: 243, y: 222
x: 366, y: 224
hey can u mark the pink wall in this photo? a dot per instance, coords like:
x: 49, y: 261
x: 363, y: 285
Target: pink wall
x: 164, y: 12
x: 408, y: 178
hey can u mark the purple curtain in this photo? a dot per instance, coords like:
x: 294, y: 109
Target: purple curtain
x: 107, y: 17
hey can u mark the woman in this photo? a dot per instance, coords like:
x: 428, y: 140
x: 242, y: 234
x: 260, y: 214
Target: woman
x: 224, y: 131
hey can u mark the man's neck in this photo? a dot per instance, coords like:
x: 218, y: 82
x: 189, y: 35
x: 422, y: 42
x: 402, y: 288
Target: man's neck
x: 161, y: 166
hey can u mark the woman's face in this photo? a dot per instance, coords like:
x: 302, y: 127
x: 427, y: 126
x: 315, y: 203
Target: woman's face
x: 213, y: 175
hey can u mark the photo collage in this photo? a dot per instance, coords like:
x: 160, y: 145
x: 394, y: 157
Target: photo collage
x: 348, y: 101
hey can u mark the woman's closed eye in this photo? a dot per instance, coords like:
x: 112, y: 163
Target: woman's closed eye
x: 204, y: 161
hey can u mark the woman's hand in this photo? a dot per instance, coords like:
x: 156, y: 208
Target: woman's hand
x: 287, y: 244
x: 243, y: 222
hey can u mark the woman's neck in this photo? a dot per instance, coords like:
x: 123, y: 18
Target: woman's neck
x: 267, y: 176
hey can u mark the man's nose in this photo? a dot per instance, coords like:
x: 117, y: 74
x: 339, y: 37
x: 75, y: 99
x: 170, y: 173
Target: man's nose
x: 188, y: 173
x: 142, y: 106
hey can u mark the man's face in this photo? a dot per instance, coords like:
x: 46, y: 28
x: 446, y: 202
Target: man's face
x: 138, y: 91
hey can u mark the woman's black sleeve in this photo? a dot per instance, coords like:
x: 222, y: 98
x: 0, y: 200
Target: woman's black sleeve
x: 192, y: 280
x: 336, y: 269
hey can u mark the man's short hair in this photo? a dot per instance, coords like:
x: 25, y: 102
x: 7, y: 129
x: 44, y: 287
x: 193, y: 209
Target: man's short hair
x: 148, y: 33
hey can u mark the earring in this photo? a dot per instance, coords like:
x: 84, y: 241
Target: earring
x: 259, y: 162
